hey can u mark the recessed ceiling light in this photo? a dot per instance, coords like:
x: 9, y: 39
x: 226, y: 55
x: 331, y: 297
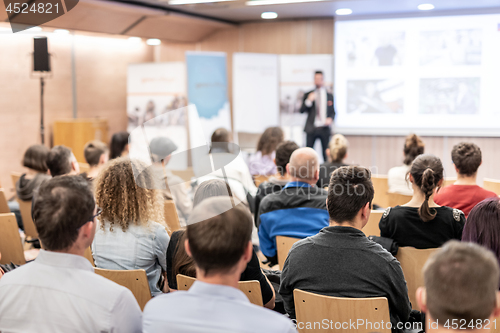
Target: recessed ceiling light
x: 269, y: 15
x: 153, y: 41
x: 5, y: 29
x: 135, y: 39
x: 426, y: 6
x: 343, y: 11
x: 275, y: 2
x: 61, y: 31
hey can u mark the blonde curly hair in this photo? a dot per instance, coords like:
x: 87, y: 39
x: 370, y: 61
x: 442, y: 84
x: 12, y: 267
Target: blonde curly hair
x: 123, y: 202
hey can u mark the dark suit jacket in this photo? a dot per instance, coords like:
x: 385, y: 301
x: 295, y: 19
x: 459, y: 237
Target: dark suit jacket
x: 330, y: 111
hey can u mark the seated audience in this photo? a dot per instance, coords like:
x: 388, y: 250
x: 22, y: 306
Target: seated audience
x: 178, y: 262
x: 59, y: 291
x: 61, y: 161
x: 340, y: 260
x: 421, y: 223
x: 277, y: 182
x: 299, y: 210
x: 131, y: 234
x: 97, y: 155
x: 262, y: 162
x: 221, y: 248
x: 173, y: 186
x: 1, y: 270
x: 337, y: 152
x: 461, y: 289
x: 119, y: 145
x: 464, y: 194
x: 398, y: 176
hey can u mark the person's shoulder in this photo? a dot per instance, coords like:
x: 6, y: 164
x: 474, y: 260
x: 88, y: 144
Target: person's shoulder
x: 395, y: 212
x: 267, y: 320
x: 486, y: 193
x: 452, y: 213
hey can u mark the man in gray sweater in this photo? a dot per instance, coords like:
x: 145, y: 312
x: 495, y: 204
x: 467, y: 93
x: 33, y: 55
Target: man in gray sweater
x: 340, y: 260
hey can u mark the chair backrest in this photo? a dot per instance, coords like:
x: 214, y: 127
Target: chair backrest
x: 4, y: 206
x: 396, y: 199
x: 11, y: 246
x: 314, y: 308
x: 15, y: 177
x: 492, y: 185
x: 250, y: 288
x: 371, y: 228
x: 84, y: 167
x: 29, y: 225
x: 171, y: 217
x: 449, y: 181
x: 283, y: 246
x: 381, y: 187
x: 259, y: 179
x: 88, y: 255
x: 412, y: 261
x: 135, y: 280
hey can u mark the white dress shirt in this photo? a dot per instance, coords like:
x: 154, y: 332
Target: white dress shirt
x: 211, y: 308
x: 60, y: 292
x: 321, y: 102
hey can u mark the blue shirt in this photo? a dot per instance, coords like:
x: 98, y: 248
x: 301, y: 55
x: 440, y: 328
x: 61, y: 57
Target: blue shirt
x: 211, y: 308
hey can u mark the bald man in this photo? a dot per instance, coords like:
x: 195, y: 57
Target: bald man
x: 299, y: 210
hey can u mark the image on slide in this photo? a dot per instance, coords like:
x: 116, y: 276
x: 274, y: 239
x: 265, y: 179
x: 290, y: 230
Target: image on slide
x: 449, y: 96
x: 451, y: 47
x: 376, y: 49
x: 375, y: 96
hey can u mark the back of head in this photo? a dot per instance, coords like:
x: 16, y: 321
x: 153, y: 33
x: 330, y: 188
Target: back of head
x: 221, y: 135
x: 338, y: 147
x: 118, y: 143
x: 350, y: 189
x: 414, y: 146
x: 467, y: 158
x: 122, y: 200
x: 211, y: 188
x: 427, y: 172
x: 219, y: 242
x: 161, y: 147
x: 62, y: 205
x: 35, y: 158
x: 269, y: 140
x: 93, y: 151
x: 283, y: 153
x: 461, y: 282
x: 304, y: 164
x: 59, y: 161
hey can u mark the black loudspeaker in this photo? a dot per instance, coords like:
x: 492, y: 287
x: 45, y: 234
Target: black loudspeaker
x: 41, y: 61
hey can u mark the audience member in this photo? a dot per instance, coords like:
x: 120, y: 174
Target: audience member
x: 97, y: 155
x: 299, y: 210
x: 119, y: 145
x: 340, y: 260
x: 461, y: 289
x: 398, y: 176
x: 130, y: 234
x: 464, y: 194
x: 61, y: 161
x: 262, y: 162
x: 337, y: 152
x: 1, y: 270
x: 421, y: 223
x: 161, y: 149
x: 277, y: 182
x: 221, y: 248
x: 178, y: 261
x: 59, y: 291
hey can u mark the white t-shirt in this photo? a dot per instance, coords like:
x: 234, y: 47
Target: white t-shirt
x: 397, y: 180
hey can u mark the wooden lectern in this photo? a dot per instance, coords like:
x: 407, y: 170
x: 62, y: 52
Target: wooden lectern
x: 75, y: 133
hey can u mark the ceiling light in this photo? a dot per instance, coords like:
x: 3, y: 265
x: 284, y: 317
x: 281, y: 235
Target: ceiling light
x: 34, y: 29
x: 426, y: 6
x: 5, y: 29
x: 61, y: 31
x: 343, y: 11
x: 135, y: 39
x: 269, y: 15
x: 275, y: 2
x: 191, y: 2
x: 153, y: 41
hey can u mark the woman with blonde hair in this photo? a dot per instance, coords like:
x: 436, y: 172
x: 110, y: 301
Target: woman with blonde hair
x: 337, y: 152
x: 131, y: 234
x: 397, y: 176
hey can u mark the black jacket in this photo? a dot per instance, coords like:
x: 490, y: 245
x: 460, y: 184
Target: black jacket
x: 330, y: 111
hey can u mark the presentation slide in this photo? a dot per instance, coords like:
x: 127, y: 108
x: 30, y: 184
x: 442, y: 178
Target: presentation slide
x: 430, y: 75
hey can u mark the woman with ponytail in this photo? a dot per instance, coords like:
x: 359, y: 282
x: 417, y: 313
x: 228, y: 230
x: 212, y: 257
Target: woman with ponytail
x: 337, y: 152
x: 398, y: 182
x: 421, y: 223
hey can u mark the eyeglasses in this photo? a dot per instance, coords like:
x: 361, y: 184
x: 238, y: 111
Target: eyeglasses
x: 99, y: 212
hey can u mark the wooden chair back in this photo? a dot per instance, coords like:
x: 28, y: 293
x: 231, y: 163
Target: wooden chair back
x: 492, y: 185
x: 259, y: 179
x: 371, y: 228
x: 171, y: 217
x: 88, y: 255
x: 381, y: 187
x: 396, y: 199
x: 449, y: 181
x: 283, y: 246
x: 250, y: 288
x: 135, y: 280
x: 310, y: 307
x: 4, y: 206
x: 29, y: 225
x: 84, y: 167
x: 412, y: 261
x: 11, y: 246
x: 15, y: 177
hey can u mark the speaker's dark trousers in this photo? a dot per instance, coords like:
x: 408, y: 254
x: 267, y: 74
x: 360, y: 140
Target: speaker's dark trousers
x: 321, y: 133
